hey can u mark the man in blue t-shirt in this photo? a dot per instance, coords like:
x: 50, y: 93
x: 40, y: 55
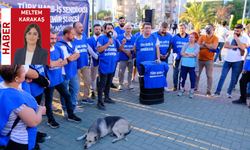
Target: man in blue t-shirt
x: 69, y: 71
x: 178, y: 41
x: 92, y: 41
x: 83, y: 47
x: 119, y: 29
x: 126, y: 57
x: 147, y: 47
x: 165, y: 39
x: 245, y: 79
x: 107, y: 47
x: 54, y: 72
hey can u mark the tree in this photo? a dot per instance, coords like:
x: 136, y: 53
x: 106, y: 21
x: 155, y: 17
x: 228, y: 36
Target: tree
x: 108, y: 13
x: 223, y: 13
x: 198, y: 15
x: 101, y: 16
x: 247, y: 21
x: 237, y: 7
x: 121, y: 15
x: 234, y: 21
x: 140, y: 11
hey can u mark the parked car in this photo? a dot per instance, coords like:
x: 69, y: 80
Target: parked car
x: 134, y: 26
x: 96, y: 22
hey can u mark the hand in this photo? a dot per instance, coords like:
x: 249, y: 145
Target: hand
x: 28, y: 80
x: 158, y: 60
x: 235, y: 36
x: 244, y: 71
x: 42, y: 109
x: 203, y: 43
x: 130, y: 56
x: 124, y: 41
x: 110, y: 42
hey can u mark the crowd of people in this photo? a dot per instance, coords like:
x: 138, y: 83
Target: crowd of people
x: 74, y: 58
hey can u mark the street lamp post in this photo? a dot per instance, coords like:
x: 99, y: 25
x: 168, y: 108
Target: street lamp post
x: 244, y: 11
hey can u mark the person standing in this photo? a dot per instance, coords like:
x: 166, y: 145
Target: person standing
x: 189, y: 63
x: 83, y: 47
x: 174, y: 27
x: 222, y: 33
x: 147, y: 47
x: 126, y: 57
x: 206, y: 58
x: 69, y: 71
x: 107, y: 47
x: 178, y: 42
x: 92, y: 41
x: 165, y: 40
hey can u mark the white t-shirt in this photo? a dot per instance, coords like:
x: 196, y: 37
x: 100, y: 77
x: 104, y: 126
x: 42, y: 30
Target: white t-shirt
x: 222, y: 32
x: 248, y: 44
x: 234, y: 55
x: 28, y: 58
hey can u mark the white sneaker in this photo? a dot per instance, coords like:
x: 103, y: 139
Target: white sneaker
x: 133, y: 80
x: 221, y: 61
x: 65, y: 114
x: 216, y: 95
x: 130, y: 87
x: 166, y: 89
x: 216, y: 63
x: 120, y: 88
x: 229, y: 95
x: 54, y: 107
x: 78, y: 110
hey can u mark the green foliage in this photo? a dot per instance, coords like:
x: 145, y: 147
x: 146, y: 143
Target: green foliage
x: 198, y: 15
x: 134, y: 31
x: 104, y: 13
x: 234, y: 21
x: 246, y: 21
x: 140, y: 12
x: 121, y: 15
x: 101, y: 16
x: 237, y: 7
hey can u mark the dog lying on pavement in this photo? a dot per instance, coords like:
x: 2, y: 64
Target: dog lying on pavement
x: 113, y: 125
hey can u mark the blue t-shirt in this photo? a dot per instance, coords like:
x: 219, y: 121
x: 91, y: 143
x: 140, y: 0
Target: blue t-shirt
x: 155, y: 74
x: 128, y: 46
x: 137, y: 34
x: 107, y: 58
x: 36, y: 89
x: 189, y: 61
x: 93, y: 44
x: 164, y: 42
x: 247, y: 62
x: 26, y: 87
x: 145, y: 48
x: 178, y: 43
x: 119, y: 31
x: 71, y: 67
x: 82, y: 46
x: 55, y: 74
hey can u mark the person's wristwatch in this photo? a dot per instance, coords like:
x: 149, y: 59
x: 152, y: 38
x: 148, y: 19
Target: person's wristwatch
x: 159, y: 58
x: 204, y: 44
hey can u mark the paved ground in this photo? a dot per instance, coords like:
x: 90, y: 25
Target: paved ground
x: 179, y: 123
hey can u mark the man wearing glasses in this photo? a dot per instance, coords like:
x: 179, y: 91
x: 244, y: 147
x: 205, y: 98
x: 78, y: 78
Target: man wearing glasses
x: 126, y: 57
x: 207, y: 43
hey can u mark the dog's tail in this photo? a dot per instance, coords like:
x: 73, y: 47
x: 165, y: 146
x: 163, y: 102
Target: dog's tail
x: 81, y: 137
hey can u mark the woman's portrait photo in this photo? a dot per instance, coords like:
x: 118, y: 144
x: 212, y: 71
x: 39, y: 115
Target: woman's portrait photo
x: 32, y: 53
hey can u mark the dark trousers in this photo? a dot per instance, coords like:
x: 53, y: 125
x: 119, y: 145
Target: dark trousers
x: 39, y: 98
x: 221, y: 44
x: 16, y: 146
x: 176, y: 74
x: 104, y: 83
x: 63, y: 90
x: 243, y: 85
x: 174, y: 31
x: 240, y: 70
x: 192, y: 76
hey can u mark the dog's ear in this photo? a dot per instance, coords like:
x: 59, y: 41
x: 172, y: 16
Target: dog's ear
x: 85, y: 135
x: 96, y: 138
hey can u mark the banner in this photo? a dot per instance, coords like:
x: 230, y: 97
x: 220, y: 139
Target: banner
x: 62, y: 12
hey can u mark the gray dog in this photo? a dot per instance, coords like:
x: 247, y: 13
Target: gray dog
x: 113, y: 125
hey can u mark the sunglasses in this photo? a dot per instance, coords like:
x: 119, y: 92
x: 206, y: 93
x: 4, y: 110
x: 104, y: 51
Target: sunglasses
x: 207, y: 28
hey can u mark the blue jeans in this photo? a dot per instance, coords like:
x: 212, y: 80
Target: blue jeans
x: 176, y: 75
x: 74, y: 87
x: 225, y: 69
x: 248, y: 88
x: 192, y: 76
x: 63, y: 90
x: 221, y: 44
x: 104, y: 82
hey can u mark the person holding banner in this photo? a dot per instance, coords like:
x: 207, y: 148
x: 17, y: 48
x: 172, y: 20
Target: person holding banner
x: 32, y: 53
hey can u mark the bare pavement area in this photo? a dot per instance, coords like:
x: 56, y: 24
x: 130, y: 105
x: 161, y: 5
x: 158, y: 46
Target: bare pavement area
x: 180, y: 123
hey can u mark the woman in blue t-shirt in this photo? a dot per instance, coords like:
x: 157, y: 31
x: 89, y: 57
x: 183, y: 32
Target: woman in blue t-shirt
x: 17, y: 106
x: 189, y: 63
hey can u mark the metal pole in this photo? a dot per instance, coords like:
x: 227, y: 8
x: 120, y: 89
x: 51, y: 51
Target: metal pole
x: 179, y: 11
x: 244, y: 11
x: 92, y: 22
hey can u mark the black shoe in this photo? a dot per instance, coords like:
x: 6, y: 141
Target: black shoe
x: 101, y: 106
x: 248, y: 95
x: 40, y: 139
x: 40, y: 134
x: 109, y: 101
x: 53, y: 124
x: 74, y: 119
x: 209, y: 94
x: 174, y: 89
x: 92, y: 95
x: 37, y: 147
x: 195, y: 89
x: 240, y: 101
x: 113, y: 86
